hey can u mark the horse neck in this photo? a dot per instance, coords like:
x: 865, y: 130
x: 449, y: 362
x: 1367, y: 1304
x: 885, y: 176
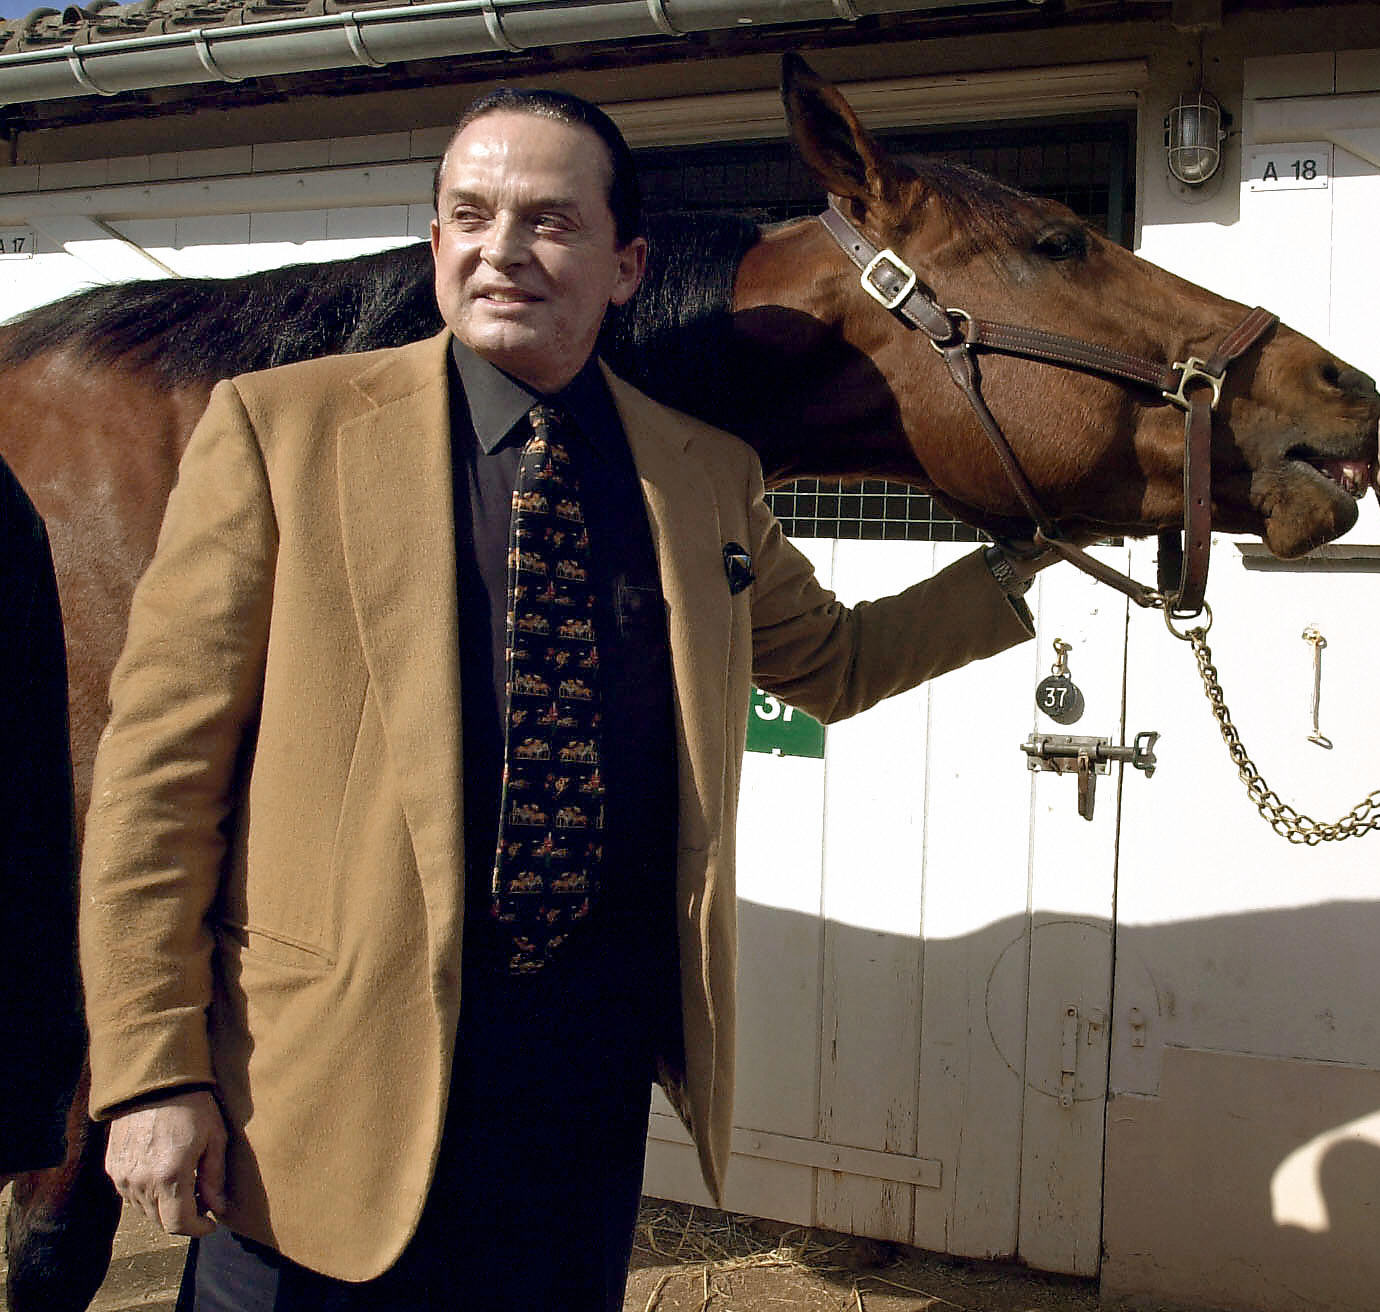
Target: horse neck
x: 809, y: 399
x: 731, y: 325
x: 671, y: 339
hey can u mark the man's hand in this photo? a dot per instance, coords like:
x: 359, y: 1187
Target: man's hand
x: 168, y: 1159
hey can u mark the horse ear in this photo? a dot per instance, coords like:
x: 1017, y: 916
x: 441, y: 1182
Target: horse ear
x: 838, y: 149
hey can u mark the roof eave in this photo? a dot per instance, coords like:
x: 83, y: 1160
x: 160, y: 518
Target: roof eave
x: 378, y: 38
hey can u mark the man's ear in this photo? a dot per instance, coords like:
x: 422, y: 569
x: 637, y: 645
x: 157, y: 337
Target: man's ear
x: 632, y: 264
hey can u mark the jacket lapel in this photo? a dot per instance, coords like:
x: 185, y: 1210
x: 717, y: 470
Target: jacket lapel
x: 398, y: 527
x: 686, y: 536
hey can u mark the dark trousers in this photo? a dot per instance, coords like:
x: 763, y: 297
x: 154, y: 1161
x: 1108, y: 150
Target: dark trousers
x: 534, y: 1202
x: 528, y: 1213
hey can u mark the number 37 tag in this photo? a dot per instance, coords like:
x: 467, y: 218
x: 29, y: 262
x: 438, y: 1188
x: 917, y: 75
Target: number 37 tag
x: 1057, y: 695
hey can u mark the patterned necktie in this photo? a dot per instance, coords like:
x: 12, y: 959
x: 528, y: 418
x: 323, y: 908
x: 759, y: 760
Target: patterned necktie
x: 550, y: 833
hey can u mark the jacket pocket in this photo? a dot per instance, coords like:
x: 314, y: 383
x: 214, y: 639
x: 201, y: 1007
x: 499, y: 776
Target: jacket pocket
x: 257, y: 941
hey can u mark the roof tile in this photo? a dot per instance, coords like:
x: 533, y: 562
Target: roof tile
x: 103, y: 20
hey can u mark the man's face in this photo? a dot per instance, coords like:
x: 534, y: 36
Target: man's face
x: 527, y: 260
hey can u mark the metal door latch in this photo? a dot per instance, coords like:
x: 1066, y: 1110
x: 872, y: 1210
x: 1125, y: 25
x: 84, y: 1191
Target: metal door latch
x: 1068, y: 1055
x: 1073, y: 1021
x: 1088, y: 758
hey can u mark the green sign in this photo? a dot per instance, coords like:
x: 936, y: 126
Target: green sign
x: 782, y: 730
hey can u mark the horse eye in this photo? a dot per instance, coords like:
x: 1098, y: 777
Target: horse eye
x: 1062, y: 244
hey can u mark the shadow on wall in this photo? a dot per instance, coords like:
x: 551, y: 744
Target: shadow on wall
x: 1243, y: 1134
x: 1244, y: 1175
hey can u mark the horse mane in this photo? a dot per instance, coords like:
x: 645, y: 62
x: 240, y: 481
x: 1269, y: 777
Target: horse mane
x: 190, y: 330
x: 992, y: 216
x: 671, y: 339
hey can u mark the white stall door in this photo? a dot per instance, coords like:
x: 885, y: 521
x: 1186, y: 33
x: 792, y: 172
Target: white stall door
x: 926, y: 954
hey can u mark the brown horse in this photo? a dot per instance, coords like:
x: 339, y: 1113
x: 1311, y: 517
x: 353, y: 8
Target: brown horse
x: 769, y: 333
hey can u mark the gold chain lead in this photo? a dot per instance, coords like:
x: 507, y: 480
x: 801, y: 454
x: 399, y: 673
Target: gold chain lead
x: 1278, y: 814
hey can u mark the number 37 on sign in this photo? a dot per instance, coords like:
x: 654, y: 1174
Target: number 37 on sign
x: 1291, y: 167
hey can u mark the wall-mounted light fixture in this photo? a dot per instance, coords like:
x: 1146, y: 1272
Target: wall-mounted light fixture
x: 1193, y: 136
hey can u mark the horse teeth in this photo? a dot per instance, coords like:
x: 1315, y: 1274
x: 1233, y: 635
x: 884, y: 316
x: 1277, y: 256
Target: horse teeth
x: 1352, y: 476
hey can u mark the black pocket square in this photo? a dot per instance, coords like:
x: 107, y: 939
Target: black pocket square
x: 738, y: 567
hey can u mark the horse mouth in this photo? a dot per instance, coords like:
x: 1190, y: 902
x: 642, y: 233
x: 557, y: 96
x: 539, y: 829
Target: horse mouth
x: 1354, y: 477
x: 1309, y: 498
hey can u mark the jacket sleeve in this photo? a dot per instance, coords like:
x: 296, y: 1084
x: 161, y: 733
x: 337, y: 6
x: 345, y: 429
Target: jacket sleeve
x: 40, y: 1023
x: 834, y: 660
x: 184, y: 698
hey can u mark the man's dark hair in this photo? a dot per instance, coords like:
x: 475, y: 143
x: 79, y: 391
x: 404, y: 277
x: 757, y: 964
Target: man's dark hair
x: 625, y: 193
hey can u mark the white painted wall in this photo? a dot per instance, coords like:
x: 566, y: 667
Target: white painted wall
x: 1310, y: 254
x: 1248, y: 965
x: 213, y: 213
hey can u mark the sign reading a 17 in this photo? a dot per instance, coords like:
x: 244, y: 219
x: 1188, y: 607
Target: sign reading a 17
x: 16, y: 243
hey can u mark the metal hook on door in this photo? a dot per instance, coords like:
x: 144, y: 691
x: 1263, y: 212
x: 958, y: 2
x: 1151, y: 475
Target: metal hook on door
x: 1311, y: 634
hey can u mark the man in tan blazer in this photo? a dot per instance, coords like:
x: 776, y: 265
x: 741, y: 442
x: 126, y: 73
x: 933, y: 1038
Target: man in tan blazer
x: 274, y: 883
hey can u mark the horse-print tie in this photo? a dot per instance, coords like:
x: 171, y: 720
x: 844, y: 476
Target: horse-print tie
x: 550, y: 833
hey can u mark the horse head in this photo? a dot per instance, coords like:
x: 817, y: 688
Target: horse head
x: 1293, y: 444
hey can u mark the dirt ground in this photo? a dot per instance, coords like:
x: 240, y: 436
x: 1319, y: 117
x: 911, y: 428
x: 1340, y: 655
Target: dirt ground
x: 690, y: 1259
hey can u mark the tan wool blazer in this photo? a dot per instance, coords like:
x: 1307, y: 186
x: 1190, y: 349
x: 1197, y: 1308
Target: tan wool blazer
x: 272, y: 880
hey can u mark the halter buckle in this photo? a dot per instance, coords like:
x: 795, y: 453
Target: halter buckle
x: 959, y: 321
x: 892, y: 268
x: 1192, y: 372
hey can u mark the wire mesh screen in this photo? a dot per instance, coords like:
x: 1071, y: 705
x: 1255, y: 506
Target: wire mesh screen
x: 1083, y: 163
x: 874, y: 508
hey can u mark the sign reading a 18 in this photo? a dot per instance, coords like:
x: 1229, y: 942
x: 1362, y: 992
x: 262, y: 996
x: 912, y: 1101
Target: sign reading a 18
x: 1292, y: 167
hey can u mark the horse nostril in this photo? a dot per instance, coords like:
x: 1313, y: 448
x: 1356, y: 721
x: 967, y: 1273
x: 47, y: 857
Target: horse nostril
x: 1351, y: 383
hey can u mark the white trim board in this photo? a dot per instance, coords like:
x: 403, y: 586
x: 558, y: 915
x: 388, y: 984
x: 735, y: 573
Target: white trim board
x: 738, y: 116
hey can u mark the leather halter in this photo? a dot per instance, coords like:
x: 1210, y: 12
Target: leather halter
x: 1194, y: 385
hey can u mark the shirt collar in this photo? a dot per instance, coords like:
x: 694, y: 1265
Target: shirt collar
x: 498, y: 402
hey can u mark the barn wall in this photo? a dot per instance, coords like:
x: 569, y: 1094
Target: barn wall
x: 1243, y: 1124
x: 1246, y: 1182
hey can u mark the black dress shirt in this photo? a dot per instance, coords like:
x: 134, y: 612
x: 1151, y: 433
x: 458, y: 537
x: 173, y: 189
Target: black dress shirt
x: 600, y: 1008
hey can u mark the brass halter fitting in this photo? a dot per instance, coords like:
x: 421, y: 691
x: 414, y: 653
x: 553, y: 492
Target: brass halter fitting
x: 1191, y: 371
